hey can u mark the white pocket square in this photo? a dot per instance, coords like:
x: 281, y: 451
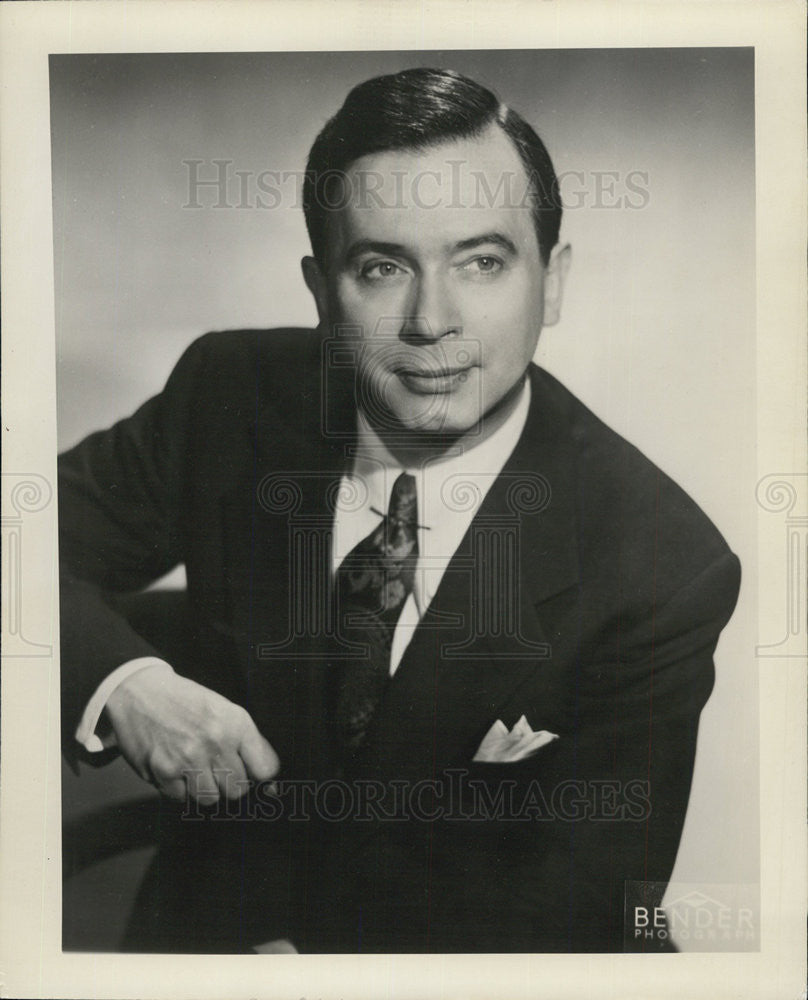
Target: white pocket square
x: 502, y: 747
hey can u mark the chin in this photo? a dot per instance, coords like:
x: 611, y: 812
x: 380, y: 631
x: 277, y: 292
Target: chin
x: 443, y: 420
x: 439, y: 414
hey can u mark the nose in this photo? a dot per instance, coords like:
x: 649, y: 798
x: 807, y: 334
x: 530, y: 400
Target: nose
x: 432, y: 314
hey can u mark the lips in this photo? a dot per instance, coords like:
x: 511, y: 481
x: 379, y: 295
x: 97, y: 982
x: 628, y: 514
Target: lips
x: 434, y: 380
x: 433, y: 372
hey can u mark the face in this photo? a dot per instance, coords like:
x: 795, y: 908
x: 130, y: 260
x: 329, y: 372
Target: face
x: 434, y: 259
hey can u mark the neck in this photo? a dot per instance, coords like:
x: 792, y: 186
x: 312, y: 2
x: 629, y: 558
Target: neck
x: 414, y: 448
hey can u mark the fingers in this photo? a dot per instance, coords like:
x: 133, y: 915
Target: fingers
x: 231, y: 778
x: 180, y: 784
x: 205, y: 786
x: 205, y: 781
x: 172, y: 788
x: 260, y: 760
x: 224, y: 774
x: 189, y: 741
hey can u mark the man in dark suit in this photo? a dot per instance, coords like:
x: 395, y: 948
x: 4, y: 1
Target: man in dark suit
x: 448, y: 635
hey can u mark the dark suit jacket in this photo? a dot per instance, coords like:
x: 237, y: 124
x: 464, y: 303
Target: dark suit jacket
x: 588, y: 595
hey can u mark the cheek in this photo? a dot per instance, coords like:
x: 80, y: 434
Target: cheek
x: 510, y: 327
x: 345, y: 306
x: 366, y: 307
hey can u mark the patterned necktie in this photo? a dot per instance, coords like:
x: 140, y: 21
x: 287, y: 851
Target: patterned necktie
x: 372, y: 585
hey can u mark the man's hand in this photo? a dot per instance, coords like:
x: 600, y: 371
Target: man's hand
x: 186, y: 739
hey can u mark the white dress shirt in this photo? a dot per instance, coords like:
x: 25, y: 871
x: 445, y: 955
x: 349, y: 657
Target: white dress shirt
x: 450, y: 490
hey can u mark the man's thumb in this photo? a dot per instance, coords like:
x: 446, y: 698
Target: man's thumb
x: 260, y: 760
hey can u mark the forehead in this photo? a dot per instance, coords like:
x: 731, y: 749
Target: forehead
x: 433, y: 197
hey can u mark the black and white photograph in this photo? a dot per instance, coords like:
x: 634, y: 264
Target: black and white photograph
x: 404, y: 499
x: 432, y: 680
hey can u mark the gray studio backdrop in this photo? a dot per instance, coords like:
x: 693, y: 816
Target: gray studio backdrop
x: 655, y: 149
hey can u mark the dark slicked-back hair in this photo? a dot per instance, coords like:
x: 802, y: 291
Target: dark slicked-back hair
x: 419, y: 109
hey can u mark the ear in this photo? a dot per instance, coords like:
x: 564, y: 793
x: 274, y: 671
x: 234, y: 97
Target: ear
x: 555, y: 275
x: 316, y: 284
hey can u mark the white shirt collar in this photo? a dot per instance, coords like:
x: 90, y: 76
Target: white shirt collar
x: 450, y: 487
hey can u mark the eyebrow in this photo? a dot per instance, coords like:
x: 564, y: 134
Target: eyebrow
x: 374, y: 246
x: 358, y: 247
x: 497, y: 239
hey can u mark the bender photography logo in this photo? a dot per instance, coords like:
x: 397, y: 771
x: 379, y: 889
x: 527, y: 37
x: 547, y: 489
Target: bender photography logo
x: 691, y: 917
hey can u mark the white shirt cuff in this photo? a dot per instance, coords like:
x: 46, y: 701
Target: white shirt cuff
x: 86, y: 734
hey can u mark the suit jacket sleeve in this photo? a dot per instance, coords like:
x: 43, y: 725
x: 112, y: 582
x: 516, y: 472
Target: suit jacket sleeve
x: 120, y: 501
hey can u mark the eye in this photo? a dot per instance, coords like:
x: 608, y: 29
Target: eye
x: 483, y: 265
x: 379, y: 270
